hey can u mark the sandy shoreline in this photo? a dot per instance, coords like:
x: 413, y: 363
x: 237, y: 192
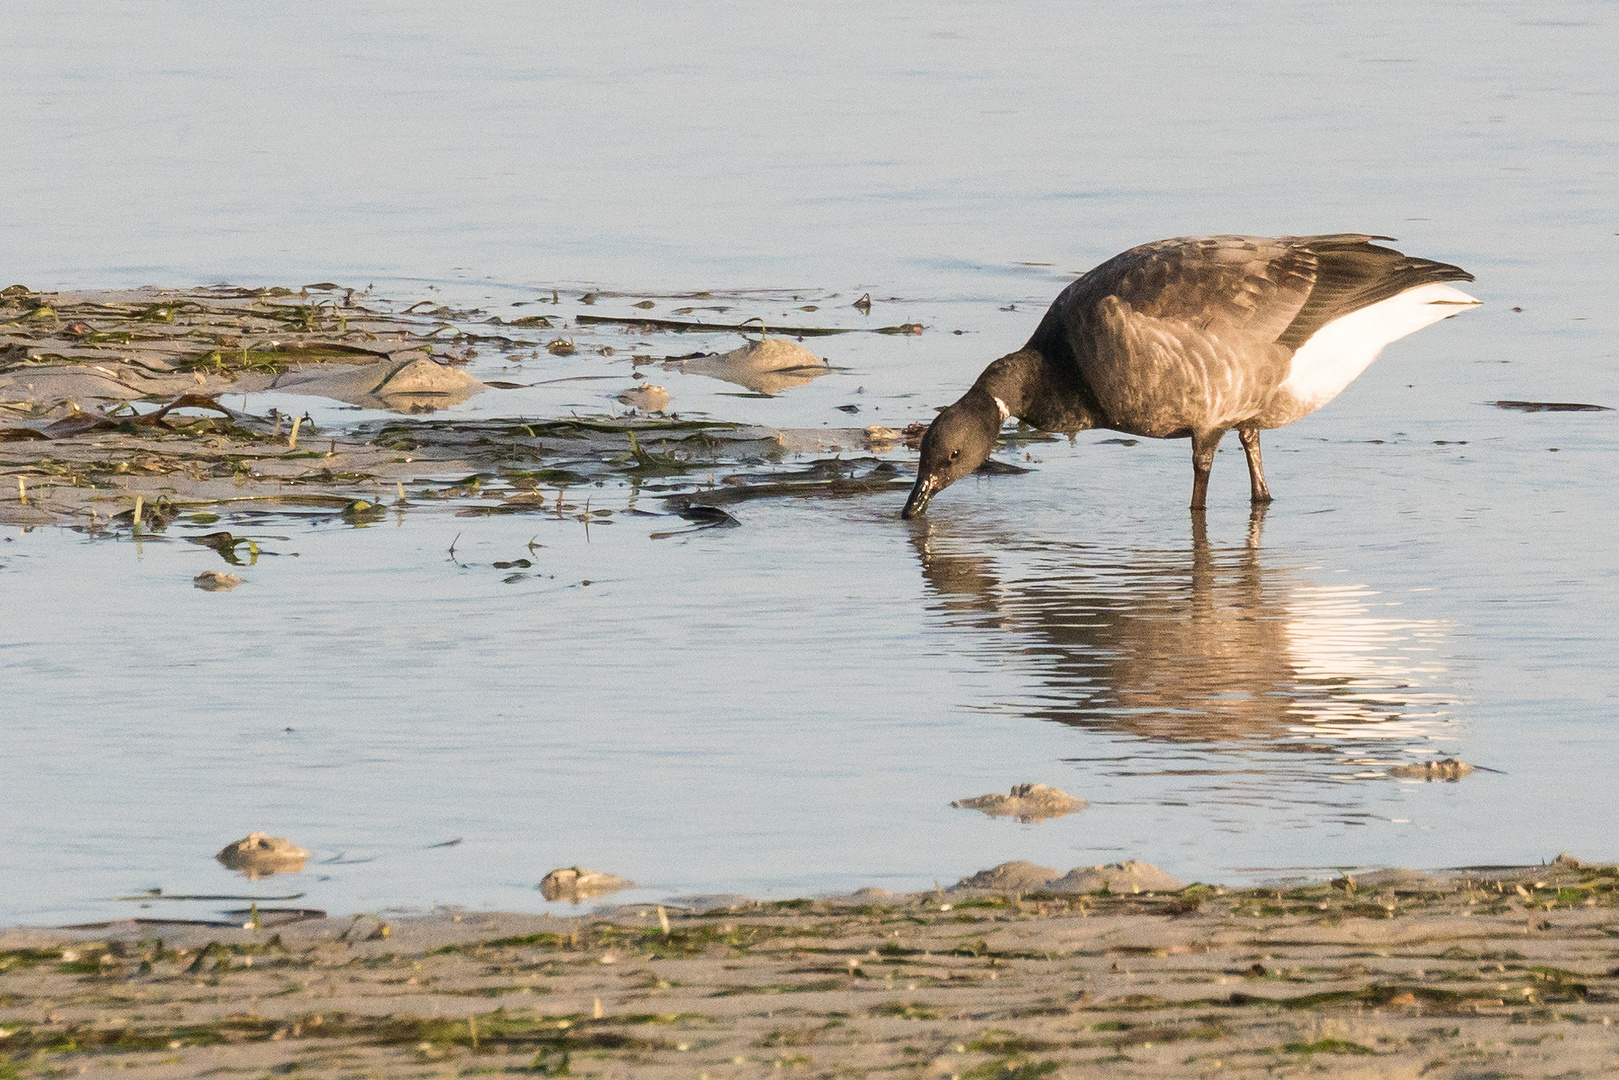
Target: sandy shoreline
x: 1491, y: 973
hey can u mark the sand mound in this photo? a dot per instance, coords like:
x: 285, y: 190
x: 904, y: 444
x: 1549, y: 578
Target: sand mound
x: 1010, y: 877
x: 1129, y: 876
x: 398, y: 383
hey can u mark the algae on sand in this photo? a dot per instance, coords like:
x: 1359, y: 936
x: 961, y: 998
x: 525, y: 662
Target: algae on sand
x: 1257, y: 979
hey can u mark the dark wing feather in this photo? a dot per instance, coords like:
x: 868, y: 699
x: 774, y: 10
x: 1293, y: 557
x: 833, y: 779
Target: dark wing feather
x: 1352, y: 273
x: 1179, y: 334
x: 1251, y: 285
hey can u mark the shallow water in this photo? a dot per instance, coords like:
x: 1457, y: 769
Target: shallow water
x: 789, y: 706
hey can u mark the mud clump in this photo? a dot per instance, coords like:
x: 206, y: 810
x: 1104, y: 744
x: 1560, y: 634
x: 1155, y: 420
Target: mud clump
x: 646, y: 397
x: 214, y: 581
x: 768, y: 366
x: 1026, y: 802
x: 261, y: 855
x: 576, y: 883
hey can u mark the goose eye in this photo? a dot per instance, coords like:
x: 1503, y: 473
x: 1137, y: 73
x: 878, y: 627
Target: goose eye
x: 954, y: 454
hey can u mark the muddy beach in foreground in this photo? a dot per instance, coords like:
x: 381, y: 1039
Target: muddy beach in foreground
x: 1491, y: 972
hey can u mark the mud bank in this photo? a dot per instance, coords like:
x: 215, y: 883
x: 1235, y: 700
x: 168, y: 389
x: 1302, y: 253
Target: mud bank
x: 137, y: 406
x: 1491, y: 972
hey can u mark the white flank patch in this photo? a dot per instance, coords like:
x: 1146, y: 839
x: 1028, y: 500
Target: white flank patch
x: 1338, y: 352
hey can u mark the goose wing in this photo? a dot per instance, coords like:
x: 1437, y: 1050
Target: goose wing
x: 1181, y: 335
x: 1227, y: 284
x: 1196, y: 333
x: 1352, y: 273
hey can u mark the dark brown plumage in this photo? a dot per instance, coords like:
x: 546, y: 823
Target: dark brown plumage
x: 1190, y: 337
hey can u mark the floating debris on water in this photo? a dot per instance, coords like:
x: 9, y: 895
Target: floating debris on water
x: 702, y: 517
x: 226, y: 545
x: 1445, y: 769
x: 1550, y: 406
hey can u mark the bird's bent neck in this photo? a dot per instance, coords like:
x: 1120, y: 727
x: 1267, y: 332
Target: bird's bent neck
x: 1025, y: 385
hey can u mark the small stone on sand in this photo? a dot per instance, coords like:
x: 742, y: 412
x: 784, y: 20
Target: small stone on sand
x: 1027, y: 803
x: 214, y: 581
x: 576, y: 883
x: 260, y: 855
x: 1444, y: 769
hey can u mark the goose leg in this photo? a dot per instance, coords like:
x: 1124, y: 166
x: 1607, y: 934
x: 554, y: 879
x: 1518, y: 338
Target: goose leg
x: 1204, y: 444
x: 1256, y: 468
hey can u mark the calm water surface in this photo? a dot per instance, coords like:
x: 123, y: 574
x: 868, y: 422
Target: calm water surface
x: 788, y: 707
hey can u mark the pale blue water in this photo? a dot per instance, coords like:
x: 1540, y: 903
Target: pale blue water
x: 789, y: 707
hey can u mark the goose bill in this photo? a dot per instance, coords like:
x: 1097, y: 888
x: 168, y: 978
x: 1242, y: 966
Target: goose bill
x: 926, y: 487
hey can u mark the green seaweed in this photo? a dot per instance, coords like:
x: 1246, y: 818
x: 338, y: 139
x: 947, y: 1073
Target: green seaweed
x: 1326, y: 1046
x: 906, y: 1010
x: 1012, y: 1069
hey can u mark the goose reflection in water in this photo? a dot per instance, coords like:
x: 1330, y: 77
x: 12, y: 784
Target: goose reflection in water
x: 1208, y: 645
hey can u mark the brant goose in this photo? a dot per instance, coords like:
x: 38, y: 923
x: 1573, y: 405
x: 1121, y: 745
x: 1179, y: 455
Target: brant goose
x: 1187, y: 338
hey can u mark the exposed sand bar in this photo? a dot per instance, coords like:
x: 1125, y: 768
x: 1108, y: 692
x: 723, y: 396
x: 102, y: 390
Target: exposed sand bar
x: 1503, y: 973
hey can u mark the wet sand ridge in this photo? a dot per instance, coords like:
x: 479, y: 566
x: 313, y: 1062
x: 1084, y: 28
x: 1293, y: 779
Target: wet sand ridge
x: 1488, y: 973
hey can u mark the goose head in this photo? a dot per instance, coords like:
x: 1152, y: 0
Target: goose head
x: 956, y: 443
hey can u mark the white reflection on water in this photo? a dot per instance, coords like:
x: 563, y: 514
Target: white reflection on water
x: 1372, y: 668
x: 1202, y: 646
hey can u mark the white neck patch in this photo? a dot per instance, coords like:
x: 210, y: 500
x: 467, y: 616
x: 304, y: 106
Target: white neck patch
x: 1005, y: 412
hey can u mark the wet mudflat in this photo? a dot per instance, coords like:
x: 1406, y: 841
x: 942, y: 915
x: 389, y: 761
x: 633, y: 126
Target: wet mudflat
x: 1391, y: 975
x: 697, y: 648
